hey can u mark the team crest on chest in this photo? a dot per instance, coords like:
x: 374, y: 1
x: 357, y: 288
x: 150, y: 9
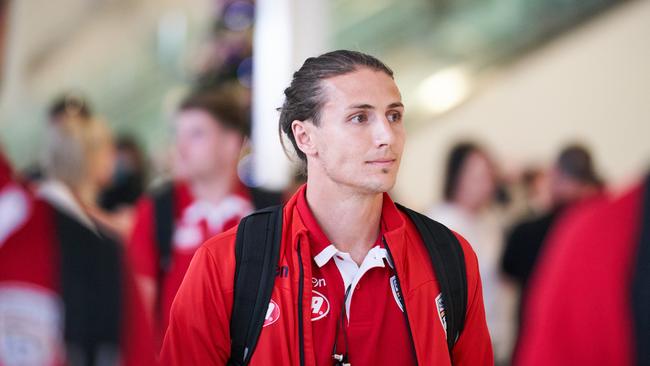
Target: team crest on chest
x: 272, y: 314
x: 320, y: 306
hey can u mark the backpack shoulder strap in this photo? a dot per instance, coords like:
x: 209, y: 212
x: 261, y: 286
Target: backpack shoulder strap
x: 448, y: 261
x: 163, y: 204
x: 257, y: 252
x: 264, y: 198
x: 163, y: 201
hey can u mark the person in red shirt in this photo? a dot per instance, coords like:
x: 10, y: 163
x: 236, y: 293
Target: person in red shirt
x: 41, y: 322
x: 34, y: 329
x: 344, y: 242
x: 208, y: 198
x: 580, y: 305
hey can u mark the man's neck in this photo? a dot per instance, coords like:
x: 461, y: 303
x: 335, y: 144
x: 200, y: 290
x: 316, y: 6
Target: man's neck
x: 213, y: 188
x: 350, y: 219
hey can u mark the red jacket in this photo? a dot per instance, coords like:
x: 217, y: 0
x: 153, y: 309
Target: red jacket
x: 143, y: 245
x: 30, y: 296
x: 199, y: 324
x: 578, y: 309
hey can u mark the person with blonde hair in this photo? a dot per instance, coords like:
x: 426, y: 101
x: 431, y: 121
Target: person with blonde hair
x: 67, y: 294
x: 78, y: 162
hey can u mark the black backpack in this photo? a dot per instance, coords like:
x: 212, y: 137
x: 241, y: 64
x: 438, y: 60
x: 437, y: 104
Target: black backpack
x: 257, y: 252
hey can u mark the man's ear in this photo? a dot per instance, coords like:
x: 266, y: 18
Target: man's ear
x: 303, y: 132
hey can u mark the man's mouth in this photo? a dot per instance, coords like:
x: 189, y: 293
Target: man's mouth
x: 382, y: 162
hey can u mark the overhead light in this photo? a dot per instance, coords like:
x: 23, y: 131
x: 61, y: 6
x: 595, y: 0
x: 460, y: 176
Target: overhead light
x: 444, y: 90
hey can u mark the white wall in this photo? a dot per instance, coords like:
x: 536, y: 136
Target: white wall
x: 592, y: 85
x: 286, y: 33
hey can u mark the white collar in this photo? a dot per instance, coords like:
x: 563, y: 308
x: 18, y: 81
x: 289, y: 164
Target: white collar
x: 376, y: 253
x: 60, y: 196
x: 350, y: 272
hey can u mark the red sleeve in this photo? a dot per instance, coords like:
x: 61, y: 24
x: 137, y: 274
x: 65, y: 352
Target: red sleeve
x: 141, y: 246
x: 137, y: 337
x: 198, y: 332
x: 577, y: 307
x: 474, y: 346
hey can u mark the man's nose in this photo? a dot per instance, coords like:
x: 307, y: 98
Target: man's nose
x: 383, y: 131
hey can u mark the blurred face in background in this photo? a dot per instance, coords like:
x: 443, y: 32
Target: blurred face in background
x: 566, y: 189
x: 476, y: 184
x: 102, y: 159
x: 360, y: 137
x: 204, y: 147
x: 79, y: 151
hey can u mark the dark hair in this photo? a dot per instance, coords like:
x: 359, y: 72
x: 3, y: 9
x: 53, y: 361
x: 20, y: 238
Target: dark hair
x: 455, y: 162
x: 304, y: 98
x: 69, y: 104
x: 224, y: 105
x: 575, y: 161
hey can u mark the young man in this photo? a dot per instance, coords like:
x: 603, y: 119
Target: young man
x: 210, y: 129
x: 354, y: 280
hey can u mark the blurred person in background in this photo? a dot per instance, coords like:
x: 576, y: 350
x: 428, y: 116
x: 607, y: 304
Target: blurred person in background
x: 130, y: 176
x: 210, y: 129
x: 572, y: 179
x: 589, y: 296
x: 537, y: 197
x: 78, y: 162
x: 127, y: 184
x: 470, y: 192
x: 68, y: 104
x: 67, y: 294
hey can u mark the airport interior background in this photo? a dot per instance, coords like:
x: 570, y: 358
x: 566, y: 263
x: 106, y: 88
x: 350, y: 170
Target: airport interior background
x: 534, y: 88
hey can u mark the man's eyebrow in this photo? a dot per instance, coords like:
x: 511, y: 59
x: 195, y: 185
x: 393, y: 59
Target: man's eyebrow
x: 368, y: 106
x: 361, y: 106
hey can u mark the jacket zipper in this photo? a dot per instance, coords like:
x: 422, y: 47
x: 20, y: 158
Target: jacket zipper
x: 403, y: 302
x: 301, y: 276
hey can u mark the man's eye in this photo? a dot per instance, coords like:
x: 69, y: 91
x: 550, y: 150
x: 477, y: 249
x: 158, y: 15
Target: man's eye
x: 394, y: 117
x: 359, y: 118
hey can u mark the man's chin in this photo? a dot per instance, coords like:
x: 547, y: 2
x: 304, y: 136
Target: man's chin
x: 379, y: 185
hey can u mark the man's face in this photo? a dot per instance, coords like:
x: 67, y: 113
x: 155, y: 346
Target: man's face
x: 360, y: 138
x: 203, y: 146
x: 566, y: 189
x: 476, y: 183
